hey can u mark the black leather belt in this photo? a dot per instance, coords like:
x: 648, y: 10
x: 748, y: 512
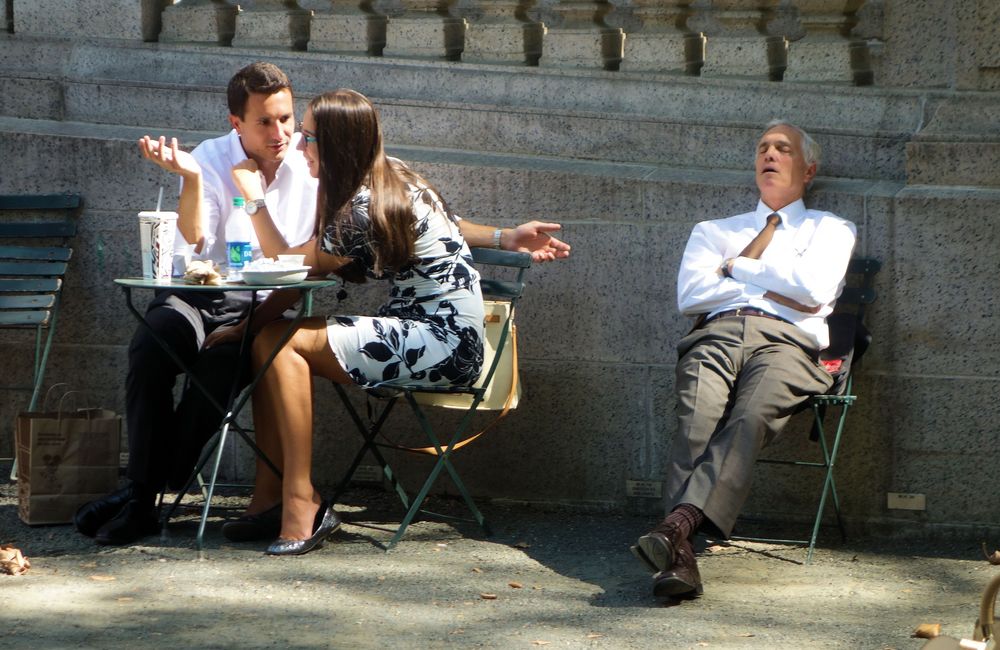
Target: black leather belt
x: 744, y: 311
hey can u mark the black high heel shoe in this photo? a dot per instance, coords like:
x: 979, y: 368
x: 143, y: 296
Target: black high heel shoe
x: 326, y: 523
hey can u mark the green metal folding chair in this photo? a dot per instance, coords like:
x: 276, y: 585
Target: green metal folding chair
x: 509, y: 290
x: 849, y: 339
x: 33, y: 259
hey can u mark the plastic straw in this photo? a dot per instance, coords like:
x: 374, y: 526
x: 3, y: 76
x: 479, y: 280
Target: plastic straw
x: 159, y: 199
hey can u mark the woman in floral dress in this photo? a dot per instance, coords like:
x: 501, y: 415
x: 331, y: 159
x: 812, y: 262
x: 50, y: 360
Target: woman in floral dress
x: 375, y: 219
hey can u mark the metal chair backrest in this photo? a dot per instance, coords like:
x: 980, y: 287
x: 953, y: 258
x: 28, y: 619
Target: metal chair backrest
x: 849, y: 338
x: 501, y: 289
x: 34, y: 256
x: 31, y: 272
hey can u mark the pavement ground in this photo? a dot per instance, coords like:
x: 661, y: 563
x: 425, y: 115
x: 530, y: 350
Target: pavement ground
x: 546, y: 578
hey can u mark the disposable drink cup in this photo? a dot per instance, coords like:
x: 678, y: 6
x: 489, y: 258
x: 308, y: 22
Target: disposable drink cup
x: 156, y: 240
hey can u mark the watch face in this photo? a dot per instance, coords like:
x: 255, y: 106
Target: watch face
x: 252, y: 207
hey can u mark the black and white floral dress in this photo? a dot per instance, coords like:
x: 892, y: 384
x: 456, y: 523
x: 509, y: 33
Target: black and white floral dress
x: 431, y: 329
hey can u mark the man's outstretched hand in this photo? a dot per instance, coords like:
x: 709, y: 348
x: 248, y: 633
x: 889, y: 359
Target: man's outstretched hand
x: 533, y: 237
x: 169, y: 157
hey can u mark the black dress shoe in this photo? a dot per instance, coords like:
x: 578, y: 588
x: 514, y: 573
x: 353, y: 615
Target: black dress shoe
x: 136, y: 520
x: 655, y: 550
x: 326, y: 523
x: 91, y: 516
x: 250, y: 528
x: 682, y: 579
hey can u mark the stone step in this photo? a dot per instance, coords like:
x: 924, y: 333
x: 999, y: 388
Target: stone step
x: 619, y: 117
x: 561, y: 187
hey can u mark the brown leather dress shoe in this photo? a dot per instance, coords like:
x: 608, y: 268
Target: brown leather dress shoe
x: 682, y: 579
x: 655, y: 550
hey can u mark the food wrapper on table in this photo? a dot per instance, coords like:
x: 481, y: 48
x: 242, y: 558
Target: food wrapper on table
x: 202, y: 272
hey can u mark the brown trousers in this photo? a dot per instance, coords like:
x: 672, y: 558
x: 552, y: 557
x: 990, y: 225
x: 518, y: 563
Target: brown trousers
x: 739, y: 380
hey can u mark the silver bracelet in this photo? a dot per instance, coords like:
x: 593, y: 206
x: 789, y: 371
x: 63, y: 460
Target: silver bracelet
x: 496, y: 237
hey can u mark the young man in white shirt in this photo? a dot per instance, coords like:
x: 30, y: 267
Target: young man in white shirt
x: 163, y: 442
x: 760, y: 286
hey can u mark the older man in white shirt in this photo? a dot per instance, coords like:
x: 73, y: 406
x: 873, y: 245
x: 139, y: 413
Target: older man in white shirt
x: 760, y: 286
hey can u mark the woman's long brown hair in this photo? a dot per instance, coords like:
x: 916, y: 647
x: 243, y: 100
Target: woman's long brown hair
x: 349, y: 140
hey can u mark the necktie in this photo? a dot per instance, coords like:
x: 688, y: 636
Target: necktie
x: 756, y: 247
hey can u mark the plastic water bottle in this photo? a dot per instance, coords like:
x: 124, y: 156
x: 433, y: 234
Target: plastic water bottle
x: 238, y: 233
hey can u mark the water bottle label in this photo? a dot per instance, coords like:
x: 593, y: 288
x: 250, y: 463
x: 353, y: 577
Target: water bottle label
x: 239, y: 254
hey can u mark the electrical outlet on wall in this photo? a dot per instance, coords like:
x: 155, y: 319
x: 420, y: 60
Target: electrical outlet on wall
x: 648, y: 489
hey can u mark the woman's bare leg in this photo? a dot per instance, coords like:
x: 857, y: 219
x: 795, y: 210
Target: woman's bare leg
x: 283, y: 418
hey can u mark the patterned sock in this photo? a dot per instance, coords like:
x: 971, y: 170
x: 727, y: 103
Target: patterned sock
x: 682, y: 523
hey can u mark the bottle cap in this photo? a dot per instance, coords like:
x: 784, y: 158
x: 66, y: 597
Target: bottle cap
x: 238, y: 202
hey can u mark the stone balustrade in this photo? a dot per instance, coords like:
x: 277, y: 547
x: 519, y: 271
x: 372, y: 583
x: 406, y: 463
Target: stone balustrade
x: 827, y: 41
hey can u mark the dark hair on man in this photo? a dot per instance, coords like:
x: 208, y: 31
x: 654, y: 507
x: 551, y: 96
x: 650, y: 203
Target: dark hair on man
x: 260, y: 77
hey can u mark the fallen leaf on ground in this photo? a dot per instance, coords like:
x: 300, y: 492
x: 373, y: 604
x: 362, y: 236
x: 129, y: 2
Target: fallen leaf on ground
x: 927, y: 631
x: 523, y: 545
x: 992, y: 558
x: 102, y: 578
x: 748, y: 634
x: 541, y: 642
x: 594, y: 635
x: 12, y: 561
x: 476, y: 569
x: 488, y: 596
x: 514, y: 585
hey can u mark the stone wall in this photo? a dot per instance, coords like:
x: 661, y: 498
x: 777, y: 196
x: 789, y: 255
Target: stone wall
x: 628, y: 161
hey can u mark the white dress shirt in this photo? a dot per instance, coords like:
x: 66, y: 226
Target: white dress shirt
x: 805, y: 261
x: 290, y: 198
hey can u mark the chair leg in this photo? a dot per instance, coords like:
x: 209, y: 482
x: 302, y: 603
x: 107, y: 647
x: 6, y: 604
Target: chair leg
x: 446, y: 459
x: 443, y: 462
x: 368, y: 434
x: 829, y: 486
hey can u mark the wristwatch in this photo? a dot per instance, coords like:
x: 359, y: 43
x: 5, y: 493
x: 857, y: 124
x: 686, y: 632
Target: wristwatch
x: 252, y: 207
x: 725, y: 268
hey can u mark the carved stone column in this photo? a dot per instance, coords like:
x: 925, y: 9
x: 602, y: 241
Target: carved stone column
x: 737, y: 42
x: 664, y: 43
x: 352, y: 26
x: 826, y: 52
x: 199, y: 21
x: 427, y: 29
x: 584, y: 39
x: 504, y: 33
x: 273, y: 23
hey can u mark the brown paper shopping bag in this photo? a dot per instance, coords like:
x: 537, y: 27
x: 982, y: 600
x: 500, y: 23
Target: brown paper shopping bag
x: 65, y: 459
